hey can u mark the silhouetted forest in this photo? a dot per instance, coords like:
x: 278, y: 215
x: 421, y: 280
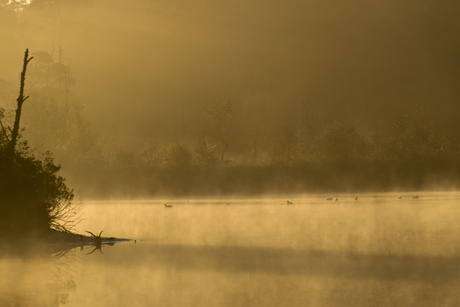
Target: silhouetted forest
x: 241, y: 157
x: 235, y: 155
x: 335, y: 157
x: 175, y: 104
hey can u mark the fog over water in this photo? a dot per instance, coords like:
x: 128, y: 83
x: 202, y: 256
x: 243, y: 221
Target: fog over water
x: 257, y: 153
x: 377, y: 251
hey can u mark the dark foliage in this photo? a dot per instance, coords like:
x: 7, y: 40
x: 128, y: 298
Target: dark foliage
x: 33, y: 198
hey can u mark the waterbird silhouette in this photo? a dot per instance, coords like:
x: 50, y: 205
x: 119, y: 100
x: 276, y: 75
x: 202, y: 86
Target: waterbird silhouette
x: 330, y: 198
x: 400, y: 197
x: 356, y: 198
x: 168, y: 206
x: 289, y: 202
x: 415, y: 196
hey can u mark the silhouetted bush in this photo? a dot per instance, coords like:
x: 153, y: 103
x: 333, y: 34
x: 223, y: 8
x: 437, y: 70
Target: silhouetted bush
x: 33, y: 198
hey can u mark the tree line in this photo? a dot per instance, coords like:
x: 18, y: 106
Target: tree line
x: 236, y: 153
x: 312, y: 157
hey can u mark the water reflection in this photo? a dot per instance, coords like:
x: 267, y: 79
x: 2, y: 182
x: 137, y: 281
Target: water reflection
x: 315, y: 253
x: 183, y: 275
x: 50, y: 276
x: 98, y: 245
x: 273, y: 261
x: 37, y: 276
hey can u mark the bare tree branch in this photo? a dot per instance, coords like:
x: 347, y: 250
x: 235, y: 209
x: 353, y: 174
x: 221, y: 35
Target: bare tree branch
x: 20, y: 100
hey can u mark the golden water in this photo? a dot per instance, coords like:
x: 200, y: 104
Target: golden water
x: 376, y: 251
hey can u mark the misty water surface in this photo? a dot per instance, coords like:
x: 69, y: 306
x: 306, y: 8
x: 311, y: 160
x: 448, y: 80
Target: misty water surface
x: 376, y: 251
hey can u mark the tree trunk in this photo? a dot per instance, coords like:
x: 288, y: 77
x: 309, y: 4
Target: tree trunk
x: 20, y: 100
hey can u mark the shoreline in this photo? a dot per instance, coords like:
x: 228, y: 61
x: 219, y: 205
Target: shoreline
x: 55, y: 238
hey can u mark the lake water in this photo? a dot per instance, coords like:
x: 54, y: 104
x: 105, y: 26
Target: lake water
x: 375, y: 251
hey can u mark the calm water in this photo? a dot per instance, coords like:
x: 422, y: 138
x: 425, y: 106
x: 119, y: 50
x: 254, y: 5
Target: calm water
x: 377, y: 251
